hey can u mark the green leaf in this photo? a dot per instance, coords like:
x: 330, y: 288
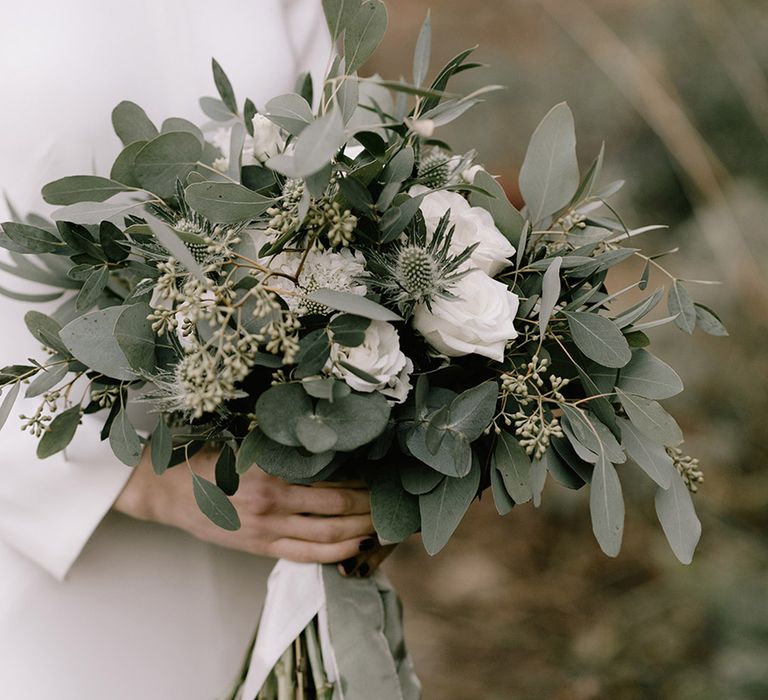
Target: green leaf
x: 279, y: 409
x: 314, y: 149
x: 606, y: 506
x: 399, y: 168
x: 356, y: 194
x: 165, y: 159
x: 507, y: 219
x: 338, y: 15
x: 122, y: 168
x: 348, y: 98
x: 364, y: 33
x: 214, y: 503
x: 708, y: 321
x: 648, y: 455
x: 161, y: 447
x: 131, y: 123
x: 550, y: 293
x: 443, y: 508
x: 501, y: 499
x: 226, y: 202
x: 349, y: 330
x: 227, y: 478
x: 81, y: 188
x: 288, y: 463
x: 93, y: 288
x: 395, y: 512
x: 651, y: 419
x: 422, y: 52
x: 679, y: 302
x: 678, y: 518
x: 134, y: 335
x: 290, y: 111
x: 215, y: 109
x: 59, y: 433
x: 224, y: 87
x: 549, y: 176
x: 356, y: 419
x: 315, y: 435
x: 124, y: 440
x: 12, y: 373
x: 453, y: 456
x: 472, y: 410
x: 593, y: 434
x: 514, y: 465
x: 537, y: 479
x: 417, y: 478
x: 394, y: 221
x: 179, y: 124
x: 46, y: 380
x: 94, y: 212
x: 353, y: 304
x: 7, y: 404
x: 314, y: 350
x: 30, y: 239
x: 45, y: 330
x: 646, y: 375
x: 599, y: 339
x: 325, y: 388
x: 633, y: 313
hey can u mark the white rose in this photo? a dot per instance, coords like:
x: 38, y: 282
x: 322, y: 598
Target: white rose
x: 267, y: 139
x: 380, y: 356
x: 472, y: 225
x: 480, y: 320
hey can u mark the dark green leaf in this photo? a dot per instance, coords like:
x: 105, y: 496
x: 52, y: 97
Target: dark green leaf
x: 314, y: 350
x: 214, y: 503
x: 679, y: 302
x: 443, y: 508
x: 59, y: 433
x: 507, y: 219
x: 161, y: 447
x: 348, y: 330
x: 224, y: 87
x: 599, y: 339
x: 288, y: 463
x: 453, y: 456
x: 514, y: 465
x: 416, y: 477
x: 395, y: 512
x: 92, y: 289
x: 279, y: 409
x: 356, y: 419
x: 227, y: 478
x: 124, y: 440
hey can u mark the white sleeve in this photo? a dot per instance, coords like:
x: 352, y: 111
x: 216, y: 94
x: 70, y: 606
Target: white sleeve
x: 49, y: 508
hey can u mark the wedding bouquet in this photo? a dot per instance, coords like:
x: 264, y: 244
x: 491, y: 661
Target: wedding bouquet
x: 323, y: 288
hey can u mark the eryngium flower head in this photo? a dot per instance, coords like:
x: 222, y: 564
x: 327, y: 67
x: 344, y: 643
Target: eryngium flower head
x: 417, y: 271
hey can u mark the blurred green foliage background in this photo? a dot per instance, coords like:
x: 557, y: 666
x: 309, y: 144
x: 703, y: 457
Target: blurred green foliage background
x: 527, y: 606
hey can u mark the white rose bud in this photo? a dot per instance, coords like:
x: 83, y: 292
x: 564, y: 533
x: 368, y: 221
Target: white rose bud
x: 472, y: 225
x: 380, y: 356
x: 267, y: 139
x: 480, y: 320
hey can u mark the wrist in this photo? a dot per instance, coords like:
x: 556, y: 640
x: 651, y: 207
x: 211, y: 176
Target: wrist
x: 137, y: 499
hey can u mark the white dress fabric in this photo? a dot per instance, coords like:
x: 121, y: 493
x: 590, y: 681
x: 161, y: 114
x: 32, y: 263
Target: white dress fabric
x: 95, y: 605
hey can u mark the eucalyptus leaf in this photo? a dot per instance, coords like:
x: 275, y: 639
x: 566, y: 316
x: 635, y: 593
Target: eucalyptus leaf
x: 285, y: 462
x: 472, y: 410
x: 549, y: 176
x: 422, y: 52
x: 453, y: 456
x: 646, y: 375
x: 349, y: 330
x: 6, y: 406
x: 599, y: 339
x: 59, y: 433
x: 353, y: 304
x: 550, y: 294
x: 290, y: 111
x: 122, y: 168
x: 224, y: 87
x: 227, y: 478
x: 124, y: 440
x: 165, y: 159
x: 81, y: 188
x: 356, y: 419
x: 708, y: 321
x: 651, y: 457
x: 30, y: 239
x: 443, y: 508
x: 679, y: 302
x: 637, y: 311
x: 169, y: 238
x: 514, y: 465
x: 315, y: 435
x: 46, y: 380
x: 651, y: 419
x: 95, y: 212
x: 416, y: 477
x: 131, y: 123
x: 161, y: 447
x: 92, y: 289
x: 226, y: 202
x: 45, y: 330
x: 338, y: 15
x: 606, y: 506
x: 395, y: 512
x: 507, y: 219
x: 278, y: 411
x: 678, y: 518
x: 364, y: 33
x: 501, y: 499
x: 214, y: 504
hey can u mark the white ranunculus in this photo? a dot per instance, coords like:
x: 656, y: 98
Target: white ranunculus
x: 480, y: 320
x: 267, y: 139
x: 380, y: 356
x: 472, y: 225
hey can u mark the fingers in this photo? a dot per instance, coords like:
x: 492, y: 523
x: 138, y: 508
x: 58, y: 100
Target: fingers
x: 299, y: 550
x: 365, y: 563
x: 326, y: 500
x: 328, y: 530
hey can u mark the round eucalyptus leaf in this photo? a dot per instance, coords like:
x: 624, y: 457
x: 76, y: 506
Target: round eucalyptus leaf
x: 315, y: 435
x: 357, y: 419
x: 279, y: 409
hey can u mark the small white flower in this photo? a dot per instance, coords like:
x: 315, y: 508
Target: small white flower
x: 472, y: 225
x: 480, y: 320
x: 380, y: 356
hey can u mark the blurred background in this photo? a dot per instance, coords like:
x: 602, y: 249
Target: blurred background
x: 527, y: 606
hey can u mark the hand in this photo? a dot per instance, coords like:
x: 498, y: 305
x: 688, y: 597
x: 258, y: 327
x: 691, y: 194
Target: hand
x: 323, y: 523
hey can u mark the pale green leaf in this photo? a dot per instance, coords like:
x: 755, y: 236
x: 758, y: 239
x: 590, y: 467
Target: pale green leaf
x: 681, y: 525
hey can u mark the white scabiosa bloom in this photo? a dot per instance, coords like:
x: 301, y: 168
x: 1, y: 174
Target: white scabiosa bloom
x: 472, y: 225
x: 380, y: 356
x: 480, y: 320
